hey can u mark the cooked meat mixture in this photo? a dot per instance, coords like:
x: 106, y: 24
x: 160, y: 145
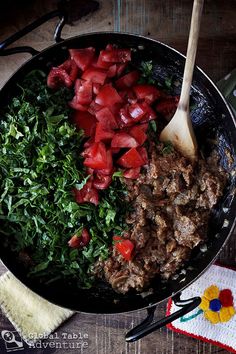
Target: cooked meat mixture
x: 171, y: 203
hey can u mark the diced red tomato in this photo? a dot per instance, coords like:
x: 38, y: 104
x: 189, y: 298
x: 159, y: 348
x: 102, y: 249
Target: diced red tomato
x: 127, y: 80
x: 95, y: 75
x: 137, y: 111
x: 110, y: 46
x: 89, y: 171
x: 58, y: 77
x: 90, y: 148
x: 116, y: 55
x: 121, y: 68
x: 82, y: 57
x: 167, y: 106
x: 128, y: 95
x: 96, y: 156
x: 83, y: 92
x: 102, y: 64
x: 148, y: 93
x: 109, y: 168
x: 89, y: 142
x: 71, y: 68
x: 101, y: 181
x: 144, y: 127
x: 96, y: 88
x: 132, y: 173
x: 124, y: 117
x: 123, y: 140
x: 108, y: 120
x: 80, y: 241
x: 137, y: 132
x: 94, y: 107
x: 115, y: 150
x: 108, y: 96
x: 77, y: 106
x: 131, y: 159
x: 85, y: 121
x: 115, y: 108
x: 150, y: 113
x: 112, y: 71
x: 124, y: 246
x: 103, y: 134
x: 143, y: 153
x: 88, y: 194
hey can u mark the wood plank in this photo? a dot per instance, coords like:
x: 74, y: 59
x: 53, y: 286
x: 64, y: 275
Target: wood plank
x: 167, y: 21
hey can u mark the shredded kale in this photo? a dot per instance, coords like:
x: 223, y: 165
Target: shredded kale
x: 146, y: 69
x: 168, y: 148
x: 40, y: 165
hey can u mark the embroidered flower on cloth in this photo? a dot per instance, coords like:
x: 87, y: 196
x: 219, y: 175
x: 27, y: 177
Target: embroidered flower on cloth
x: 217, y: 305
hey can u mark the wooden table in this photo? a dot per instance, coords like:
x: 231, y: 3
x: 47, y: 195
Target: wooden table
x: 167, y: 21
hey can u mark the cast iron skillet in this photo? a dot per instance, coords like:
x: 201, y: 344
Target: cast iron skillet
x: 211, y: 118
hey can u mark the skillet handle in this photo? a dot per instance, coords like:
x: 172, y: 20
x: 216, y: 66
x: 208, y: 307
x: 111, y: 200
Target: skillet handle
x: 147, y: 326
x: 26, y: 49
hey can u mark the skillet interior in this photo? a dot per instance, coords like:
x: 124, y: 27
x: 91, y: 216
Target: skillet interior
x: 211, y: 118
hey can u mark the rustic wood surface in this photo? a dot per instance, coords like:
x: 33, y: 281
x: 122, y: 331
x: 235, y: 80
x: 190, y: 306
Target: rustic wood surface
x: 167, y: 21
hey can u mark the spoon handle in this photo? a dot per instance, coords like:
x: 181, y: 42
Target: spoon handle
x: 191, y: 54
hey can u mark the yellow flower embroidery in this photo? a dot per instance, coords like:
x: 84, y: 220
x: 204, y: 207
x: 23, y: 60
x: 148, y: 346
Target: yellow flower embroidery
x: 217, y: 305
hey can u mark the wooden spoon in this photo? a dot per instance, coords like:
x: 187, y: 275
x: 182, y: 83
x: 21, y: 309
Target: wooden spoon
x: 179, y: 131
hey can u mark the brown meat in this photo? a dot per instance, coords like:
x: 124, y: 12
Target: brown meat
x: 171, y: 206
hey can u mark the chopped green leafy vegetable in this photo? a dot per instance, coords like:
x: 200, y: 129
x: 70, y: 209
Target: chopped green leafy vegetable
x: 40, y: 165
x: 168, y: 148
x: 146, y: 69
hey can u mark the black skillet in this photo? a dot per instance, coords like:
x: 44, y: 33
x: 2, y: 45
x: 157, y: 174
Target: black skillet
x: 211, y: 118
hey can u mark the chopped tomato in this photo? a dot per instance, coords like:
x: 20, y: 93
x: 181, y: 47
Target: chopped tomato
x: 82, y: 57
x: 110, y: 46
x: 96, y: 88
x: 58, y: 77
x: 96, y: 156
x: 102, y: 64
x: 83, y: 92
x: 80, y: 241
x: 148, y: 93
x: 132, y: 173
x: 143, y: 153
x: 108, y: 96
x: 94, y: 107
x: 109, y: 168
x: 89, y: 171
x: 120, y: 68
x: 137, y: 111
x: 77, y: 106
x: 167, y: 106
x: 127, y: 80
x: 115, y: 150
x: 123, y: 140
x: 71, y: 68
x: 116, y: 55
x: 101, y: 181
x: 88, y: 194
x: 144, y: 127
x: 128, y: 95
x: 89, y: 142
x: 137, y: 132
x: 108, y: 120
x: 131, y: 159
x: 112, y: 71
x: 95, y: 75
x: 102, y: 133
x: 85, y: 121
x: 124, y: 246
x: 150, y: 113
x: 124, y: 117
